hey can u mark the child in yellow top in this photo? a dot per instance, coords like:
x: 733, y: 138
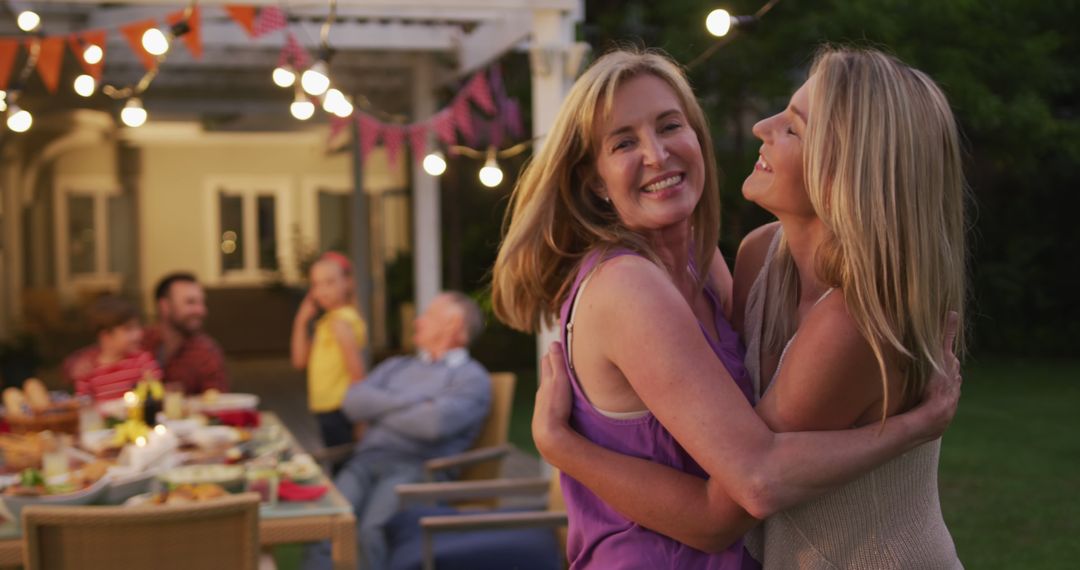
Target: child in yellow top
x: 332, y: 355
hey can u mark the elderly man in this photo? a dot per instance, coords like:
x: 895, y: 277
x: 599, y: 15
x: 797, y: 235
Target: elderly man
x: 186, y: 354
x: 415, y: 408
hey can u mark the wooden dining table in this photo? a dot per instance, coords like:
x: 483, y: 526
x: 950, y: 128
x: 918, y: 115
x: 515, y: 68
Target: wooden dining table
x: 328, y: 518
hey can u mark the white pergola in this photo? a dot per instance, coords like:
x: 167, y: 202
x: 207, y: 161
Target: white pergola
x: 397, y: 53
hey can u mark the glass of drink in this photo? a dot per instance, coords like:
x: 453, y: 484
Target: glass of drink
x: 173, y: 405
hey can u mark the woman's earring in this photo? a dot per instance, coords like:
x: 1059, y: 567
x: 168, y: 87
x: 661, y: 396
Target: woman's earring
x: 607, y: 199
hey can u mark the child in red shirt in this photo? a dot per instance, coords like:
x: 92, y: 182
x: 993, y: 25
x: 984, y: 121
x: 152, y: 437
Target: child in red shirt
x: 116, y: 363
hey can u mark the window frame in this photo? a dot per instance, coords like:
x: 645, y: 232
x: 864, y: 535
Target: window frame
x: 249, y: 188
x: 100, y: 188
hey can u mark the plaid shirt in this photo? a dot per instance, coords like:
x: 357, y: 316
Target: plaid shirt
x: 198, y: 364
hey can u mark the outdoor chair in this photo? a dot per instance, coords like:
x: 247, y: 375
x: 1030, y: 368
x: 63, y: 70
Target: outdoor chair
x: 431, y: 536
x: 218, y: 534
x: 482, y: 460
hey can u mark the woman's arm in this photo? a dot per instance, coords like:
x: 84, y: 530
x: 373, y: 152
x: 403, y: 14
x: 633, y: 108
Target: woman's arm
x: 350, y: 349
x: 618, y: 479
x: 300, y: 344
x: 691, y: 394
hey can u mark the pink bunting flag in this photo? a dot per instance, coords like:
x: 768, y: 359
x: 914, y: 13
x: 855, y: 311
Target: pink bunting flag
x: 511, y: 117
x: 418, y: 141
x: 393, y: 136
x: 369, y: 133
x: 480, y: 93
x: 270, y: 19
x: 463, y: 118
x: 294, y: 53
x: 337, y: 124
x: 443, y: 124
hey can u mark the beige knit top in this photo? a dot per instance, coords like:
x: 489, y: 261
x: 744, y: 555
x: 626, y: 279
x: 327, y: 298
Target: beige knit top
x: 890, y: 518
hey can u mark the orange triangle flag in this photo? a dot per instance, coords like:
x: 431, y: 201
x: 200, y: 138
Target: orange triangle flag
x: 8, y: 50
x: 78, y: 44
x: 192, y: 39
x: 133, y: 33
x: 243, y: 15
x: 50, y: 58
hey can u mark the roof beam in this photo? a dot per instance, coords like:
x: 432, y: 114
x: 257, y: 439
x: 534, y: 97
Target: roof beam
x: 490, y: 40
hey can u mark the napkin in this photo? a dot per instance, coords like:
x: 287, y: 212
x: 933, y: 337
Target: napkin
x: 236, y: 418
x: 289, y: 491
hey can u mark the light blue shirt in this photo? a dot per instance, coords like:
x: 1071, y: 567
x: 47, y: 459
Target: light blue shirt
x: 418, y: 408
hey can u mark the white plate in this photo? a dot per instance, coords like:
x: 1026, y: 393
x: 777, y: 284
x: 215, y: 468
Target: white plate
x: 228, y: 401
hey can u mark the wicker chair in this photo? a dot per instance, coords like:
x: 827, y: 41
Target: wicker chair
x: 222, y: 533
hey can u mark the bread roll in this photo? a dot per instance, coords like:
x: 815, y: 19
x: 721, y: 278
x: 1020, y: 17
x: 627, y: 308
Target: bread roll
x: 13, y: 401
x: 36, y: 394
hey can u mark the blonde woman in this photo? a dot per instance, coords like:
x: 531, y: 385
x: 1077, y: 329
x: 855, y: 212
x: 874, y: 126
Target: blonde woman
x: 607, y: 229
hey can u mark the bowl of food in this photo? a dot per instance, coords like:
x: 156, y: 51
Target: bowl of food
x: 81, y: 487
x: 300, y: 469
x: 230, y: 477
x: 214, y: 401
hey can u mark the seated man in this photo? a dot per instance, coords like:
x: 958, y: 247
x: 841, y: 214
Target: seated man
x: 415, y: 408
x: 186, y: 354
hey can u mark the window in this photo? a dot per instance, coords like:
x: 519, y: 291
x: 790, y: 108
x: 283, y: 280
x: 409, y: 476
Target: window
x: 248, y: 245
x: 94, y: 225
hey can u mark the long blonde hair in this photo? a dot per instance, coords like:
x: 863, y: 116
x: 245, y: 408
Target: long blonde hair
x: 555, y: 218
x: 882, y: 165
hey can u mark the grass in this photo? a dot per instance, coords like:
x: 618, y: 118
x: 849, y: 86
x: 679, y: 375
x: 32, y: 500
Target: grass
x: 1010, y: 465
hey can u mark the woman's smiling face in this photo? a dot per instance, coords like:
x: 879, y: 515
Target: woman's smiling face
x: 648, y: 158
x: 776, y: 182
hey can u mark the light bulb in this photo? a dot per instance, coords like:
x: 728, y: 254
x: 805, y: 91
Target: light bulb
x: 284, y: 76
x: 435, y: 163
x: 19, y: 120
x: 155, y: 42
x: 93, y: 54
x: 302, y: 108
x: 3, y: 105
x: 85, y: 85
x: 332, y: 100
x: 315, y: 80
x: 28, y: 21
x: 491, y: 175
x: 133, y: 114
x: 718, y: 22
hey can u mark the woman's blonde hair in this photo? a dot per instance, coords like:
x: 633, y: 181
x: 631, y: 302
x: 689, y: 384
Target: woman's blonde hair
x: 882, y: 165
x: 555, y: 217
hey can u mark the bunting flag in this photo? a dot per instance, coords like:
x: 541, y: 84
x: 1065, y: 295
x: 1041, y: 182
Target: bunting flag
x: 294, y: 53
x: 270, y: 19
x: 337, y: 124
x: 50, y: 58
x: 511, y: 117
x: 8, y: 50
x: 243, y: 15
x: 369, y: 133
x: 418, y: 141
x: 479, y: 92
x: 193, y: 38
x: 393, y: 136
x: 443, y: 123
x: 460, y: 111
x: 78, y: 44
x: 133, y: 33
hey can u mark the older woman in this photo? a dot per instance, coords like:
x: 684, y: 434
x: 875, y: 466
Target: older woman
x: 612, y: 227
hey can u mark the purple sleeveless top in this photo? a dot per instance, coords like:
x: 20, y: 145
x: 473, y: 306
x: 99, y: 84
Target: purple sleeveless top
x: 599, y: 537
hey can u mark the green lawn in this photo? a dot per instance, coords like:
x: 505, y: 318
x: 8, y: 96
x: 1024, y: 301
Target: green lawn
x: 1010, y: 465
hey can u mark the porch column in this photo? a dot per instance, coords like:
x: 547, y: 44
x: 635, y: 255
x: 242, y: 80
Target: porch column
x: 426, y: 204
x: 552, y: 39
x: 11, y: 275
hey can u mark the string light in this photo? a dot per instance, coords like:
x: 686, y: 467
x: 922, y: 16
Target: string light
x: 314, y: 80
x: 133, y: 114
x: 19, y: 120
x: 93, y: 54
x: 491, y: 175
x: 28, y: 21
x: 155, y: 42
x: 85, y: 85
x: 284, y: 76
x: 720, y: 23
x: 302, y: 108
x: 435, y: 163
